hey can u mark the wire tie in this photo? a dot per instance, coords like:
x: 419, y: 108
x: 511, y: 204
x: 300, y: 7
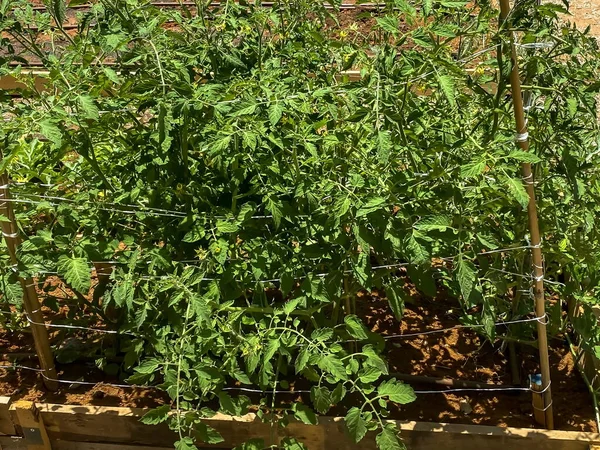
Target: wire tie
x: 536, y: 45
x: 522, y: 137
x: 545, y: 322
x: 538, y: 267
x: 544, y: 409
x: 4, y: 186
x: 539, y: 278
x: 10, y: 235
x: 543, y: 390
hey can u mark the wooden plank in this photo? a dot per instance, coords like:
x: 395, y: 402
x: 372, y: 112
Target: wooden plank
x: 67, y: 445
x: 113, y: 425
x: 7, y: 426
x: 12, y: 443
x: 27, y: 417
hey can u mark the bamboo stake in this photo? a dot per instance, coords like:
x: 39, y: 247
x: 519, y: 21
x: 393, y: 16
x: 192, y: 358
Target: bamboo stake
x: 536, y: 251
x: 32, y: 305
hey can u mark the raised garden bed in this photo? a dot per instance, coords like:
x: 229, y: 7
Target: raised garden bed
x: 66, y: 427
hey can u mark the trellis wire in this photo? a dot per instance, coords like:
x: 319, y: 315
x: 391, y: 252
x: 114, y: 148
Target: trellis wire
x: 258, y: 391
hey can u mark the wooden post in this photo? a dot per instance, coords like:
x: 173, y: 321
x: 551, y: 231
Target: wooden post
x: 536, y: 251
x: 6, y: 424
x: 27, y: 417
x: 32, y: 305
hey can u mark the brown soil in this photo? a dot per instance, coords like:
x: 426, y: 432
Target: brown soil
x: 458, y: 354
x: 462, y: 354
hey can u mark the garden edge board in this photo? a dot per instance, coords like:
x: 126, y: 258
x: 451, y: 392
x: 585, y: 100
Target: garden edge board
x: 41, y: 426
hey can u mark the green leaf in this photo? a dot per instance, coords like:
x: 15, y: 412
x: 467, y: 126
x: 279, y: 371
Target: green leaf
x: 466, y: 275
x: 374, y: 360
x: 76, y: 272
x: 304, y: 414
x: 149, y: 366
x: 187, y: 443
x: 389, y: 23
x: 333, y: 365
x: 195, y: 234
x: 338, y: 394
x: 447, y: 86
x: 50, y: 131
x: 356, y: 425
x: 472, y: 169
x: 275, y: 113
x: 430, y: 223
x: 395, y: 295
x: 528, y: 157
x: 373, y: 204
x: 156, y: 415
x: 321, y: 398
x: 517, y: 191
x: 87, y: 104
x: 355, y: 327
x: 384, y: 146
x: 208, y: 434
x: 301, y: 360
x: 369, y: 375
x: 251, y: 444
x: 225, y: 226
x: 58, y: 8
x: 11, y: 289
x: 111, y: 74
x: 427, y: 7
x: 396, y: 391
x: 289, y: 443
x: 388, y: 439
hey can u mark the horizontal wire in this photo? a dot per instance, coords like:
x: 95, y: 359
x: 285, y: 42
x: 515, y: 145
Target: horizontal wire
x: 462, y: 326
x: 257, y: 391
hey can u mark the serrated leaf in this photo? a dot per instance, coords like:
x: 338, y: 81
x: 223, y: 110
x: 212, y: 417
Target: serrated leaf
x: 304, y: 414
x: 427, y: 6
x: 195, y: 234
x: 466, y: 275
x: 289, y: 443
x: 59, y: 11
x: 275, y: 112
x: 338, y: 394
x: 355, y: 424
x: 472, y: 169
x: 111, y: 74
x: 389, y: 24
x: 522, y: 156
x: 395, y: 295
x: 333, y: 365
x: 149, y: 366
x: 50, y: 131
x: 11, y: 290
x: 156, y: 415
x: 301, y: 360
x: 369, y: 375
x: 447, y: 86
x: 321, y: 398
x: 355, y: 327
x: 374, y: 360
x: 251, y: 444
x: 88, y: 106
x: 187, y: 443
x: 76, y: 272
x: 226, y: 226
x: 517, y: 191
x: 388, y: 439
x: 384, y: 146
x: 440, y: 222
x: 396, y: 391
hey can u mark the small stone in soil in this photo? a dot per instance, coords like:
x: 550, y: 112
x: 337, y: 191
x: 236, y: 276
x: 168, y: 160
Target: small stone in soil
x: 465, y: 407
x: 98, y: 394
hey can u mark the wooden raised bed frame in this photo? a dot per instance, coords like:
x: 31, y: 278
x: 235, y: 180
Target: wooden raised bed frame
x: 28, y: 426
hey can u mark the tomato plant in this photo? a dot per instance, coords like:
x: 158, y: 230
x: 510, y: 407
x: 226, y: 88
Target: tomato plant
x: 244, y: 187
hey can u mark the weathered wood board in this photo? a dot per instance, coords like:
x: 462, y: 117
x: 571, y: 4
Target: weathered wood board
x: 72, y: 427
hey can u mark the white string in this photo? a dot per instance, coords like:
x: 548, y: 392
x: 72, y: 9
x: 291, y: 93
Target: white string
x: 536, y: 45
x: 461, y: 326
x: 10, y: 235
x: 260, y: 391
x: 522, y: 137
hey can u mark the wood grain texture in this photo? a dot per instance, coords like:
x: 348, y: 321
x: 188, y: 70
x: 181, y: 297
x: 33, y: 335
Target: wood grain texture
x: 7, y: 426
x: 30, y: 425
x: 112, y: 425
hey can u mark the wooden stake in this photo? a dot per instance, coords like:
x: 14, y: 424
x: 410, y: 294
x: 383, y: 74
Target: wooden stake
x: 27, y: 416
x: 536, y: 253
x: 32, y: 305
